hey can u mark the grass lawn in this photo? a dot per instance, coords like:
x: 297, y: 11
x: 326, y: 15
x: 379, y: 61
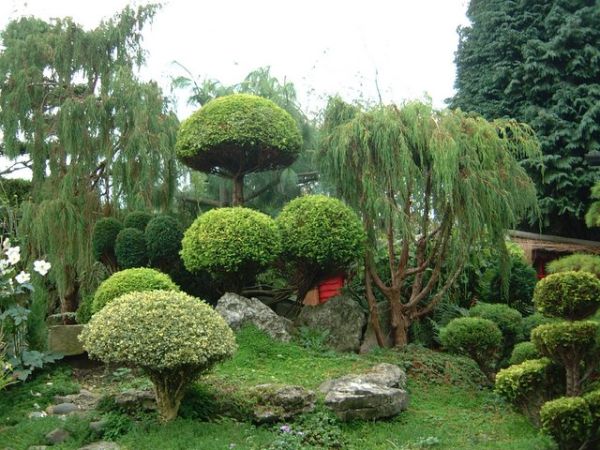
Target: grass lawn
x: 451, y: 407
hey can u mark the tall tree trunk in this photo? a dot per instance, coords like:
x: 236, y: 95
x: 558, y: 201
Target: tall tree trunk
x: 573, y: 378
x: 373, y: 311
x: 400, y: 321
x: 238, y: 190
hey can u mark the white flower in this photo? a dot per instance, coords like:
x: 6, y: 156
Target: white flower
x: 6, y: 244
x: 13, y: 255
x: 42, y: 267
x: 23, y: 277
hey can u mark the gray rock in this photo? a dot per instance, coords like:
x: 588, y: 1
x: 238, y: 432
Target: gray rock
x: 37, y: 415
x: 366, y: 401
x: 384, y: 374
x: 85, y: 400
x: 369, y: 341
x: 341, y: 316
x: 136, y: 399
x: 57, y: 436
x: 239, y: 311
x: 101, y: 445
x: 37, y: 447
x: 98, y: 426
x: 277, y: 403
x: 65, y: 339
x: 62, y: 409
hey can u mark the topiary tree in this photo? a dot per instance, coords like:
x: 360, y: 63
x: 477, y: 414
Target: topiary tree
x: 104, y: 237
x: 137, y: 219
x: 509, y: 320
x: 593, y: 400
x: 574, y: 345
x: 131, y: 280
x: 480, y: 339
x: 568, y: 420
x: 163, y: 241
x: 576, y: 262
x: 568, y: 295
x: 232, y: 244
x: 130, y: 248
x: 172, y: 336
x: 320, y: 236
x: 523, y: 351
x: 238, y: 134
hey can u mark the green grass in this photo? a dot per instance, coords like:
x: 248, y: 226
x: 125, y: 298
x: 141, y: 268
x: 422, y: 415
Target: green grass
x: 451, y: 406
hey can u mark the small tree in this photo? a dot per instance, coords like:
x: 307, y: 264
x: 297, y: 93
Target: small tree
x: 173, y: 337
x: 236, y: 135
x: 428, y: 185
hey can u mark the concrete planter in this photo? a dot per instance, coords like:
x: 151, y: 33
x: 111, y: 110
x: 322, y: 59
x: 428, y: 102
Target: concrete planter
x: 65, y: 339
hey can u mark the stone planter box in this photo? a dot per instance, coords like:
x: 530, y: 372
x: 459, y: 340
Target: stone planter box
x: 64, y: 339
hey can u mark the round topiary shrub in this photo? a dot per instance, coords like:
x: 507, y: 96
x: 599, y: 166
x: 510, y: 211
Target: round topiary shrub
x: 576, y: 262
x: 570, y: 344
x: 568, y: 421
x: 322, y: 232
x: 130, y: 280
x: 104, y: 237
x: 130, y: 248
x: 523, y: 351
x: 568, y: 295
x: 137, y: 219
x: 533, y: 321
x: 480, y: 339
x: 163, y: 240
x: 172, y: 336
x: 232, y: 244
x: 509, y: 320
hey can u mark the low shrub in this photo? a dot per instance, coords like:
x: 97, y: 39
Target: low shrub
x: 84, y: 310
x: 593, y: 401
x: 478, y: 338
x: 163, y: 241
x: 130, y: 248
x: 137, y: 220
x: 104, y: 237
x: 568, y: 421
x: 576, y: 262
x: 568, y: 295
x: 523, y: 351
x: 509, y: 320
x: 130, y: 280
x: 171, y: 336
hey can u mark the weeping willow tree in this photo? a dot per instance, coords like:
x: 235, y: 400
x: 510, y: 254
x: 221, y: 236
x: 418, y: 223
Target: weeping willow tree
x: 429, y: 186
x: 97, y: 137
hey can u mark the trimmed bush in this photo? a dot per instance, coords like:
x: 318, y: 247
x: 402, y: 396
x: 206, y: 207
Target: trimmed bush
x: 593, y: 401
x: 509, y: 320
x: 232, y: 244
x: 480, y: 339
x: 576, y: 262
x: 570, y: 344
x: 523, y: 351
x: 533, y: 321
x: 137, y: 219
x: 322, y: 232
x: 163, y: 240
x: 130, y: 248
x: 84, y: 310
x: 525, y: 385
x: 104, y: 237
x: 567, y: 420
x: 568, y: 295
x: 172, y: 336
x: 130, y: 280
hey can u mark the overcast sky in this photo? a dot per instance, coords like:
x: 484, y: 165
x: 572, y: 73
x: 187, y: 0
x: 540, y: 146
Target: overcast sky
x: 324, y: 47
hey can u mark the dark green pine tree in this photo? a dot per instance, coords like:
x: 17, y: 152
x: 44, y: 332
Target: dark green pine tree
x: 99, y: 138
x: 538, y: 61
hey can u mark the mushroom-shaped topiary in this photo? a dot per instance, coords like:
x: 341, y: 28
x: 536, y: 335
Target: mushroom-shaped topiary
x: 568, y: 295
x: 131, y: 280
x: 509, y: 320
x: 137, y: 219
x: 104, y: 237
x: 232, y: 244
x: 568, y: 420
x: 130, y: 248
x: 163, y: 241
x: 172, y: 336
x: 238, y: 134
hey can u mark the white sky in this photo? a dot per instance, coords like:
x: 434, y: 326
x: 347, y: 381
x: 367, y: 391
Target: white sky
x: 324, y: 47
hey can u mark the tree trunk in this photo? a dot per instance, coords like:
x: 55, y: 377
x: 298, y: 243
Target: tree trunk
x: 238, y: 191
x: 373, y: 311
x: 573, y: 379
x: 169, y: 389
x: 400, y: 321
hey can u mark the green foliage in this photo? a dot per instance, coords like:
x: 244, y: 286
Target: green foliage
x: 568, y: 295
x: 104, y: 237
x: 172, y: 336
x: 593, y: 400
x: 536, y: 61
x: 85, y: 311
x: 480, y: 339
x: 238, y: 133
x: 567, y: 420
x: 137, y: 219
x: 322, y: 232
x: 163, y: 240
x: 231, y: 243
x: 130, y: 280
x: 508, y: 320
x: 14, y: 191
x: 576, y: 262
x: 130, y: 248
x: 523, y: 351
x: 533, y: 321
x: 566, y: 340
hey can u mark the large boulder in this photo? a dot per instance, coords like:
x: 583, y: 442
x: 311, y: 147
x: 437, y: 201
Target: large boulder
x: 239, y: 311
x: 376, y: 394
x: 342, y: 317
x: 278, y: 403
